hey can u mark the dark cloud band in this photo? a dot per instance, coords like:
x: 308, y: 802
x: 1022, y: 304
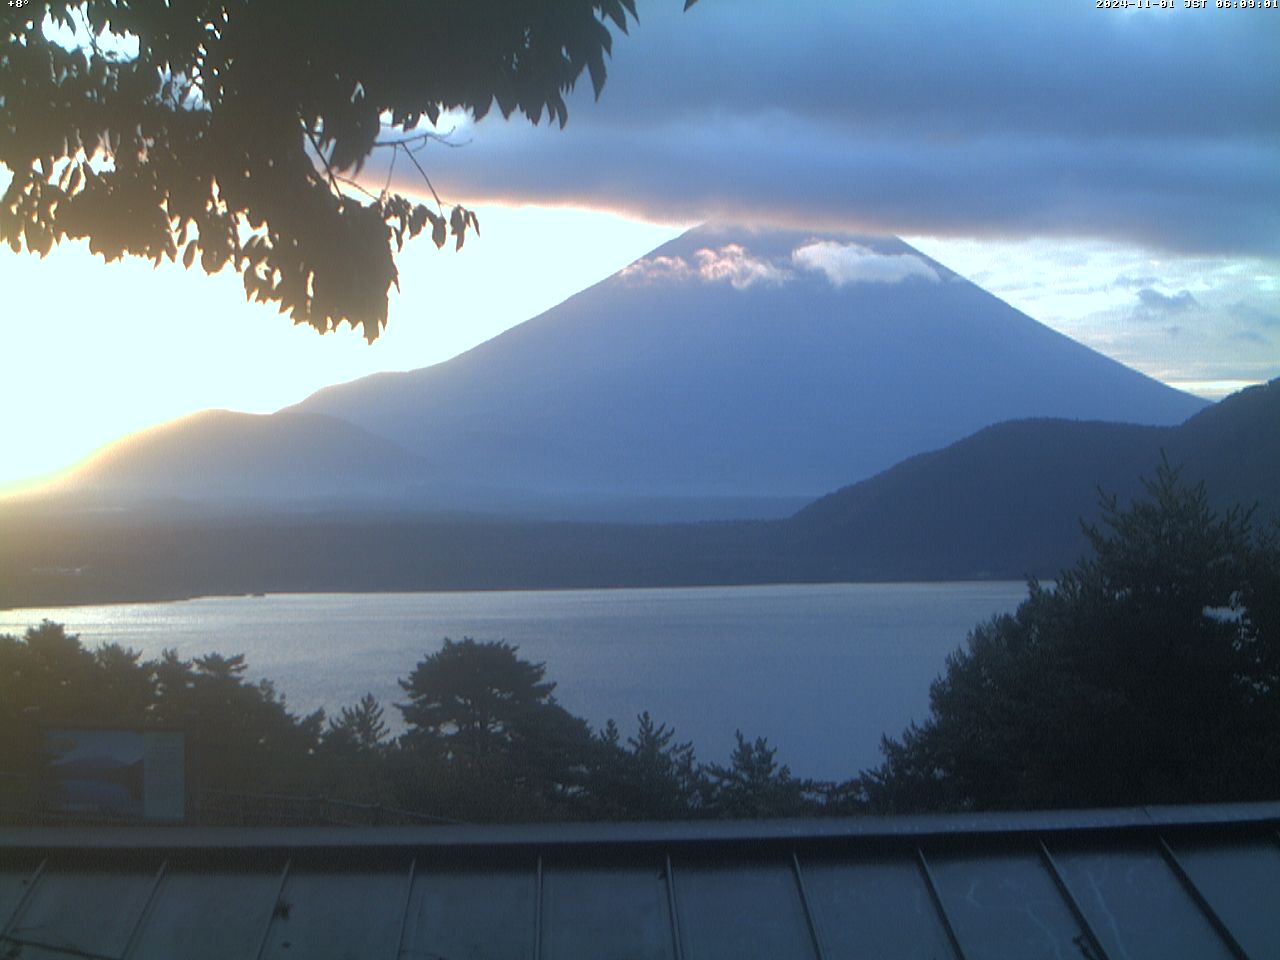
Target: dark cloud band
x: 996, y: 119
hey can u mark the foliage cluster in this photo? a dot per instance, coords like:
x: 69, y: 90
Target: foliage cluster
x: 231, y: 129
x: 1150, y: 673
x: 484, y: 738
x: 242, y: 733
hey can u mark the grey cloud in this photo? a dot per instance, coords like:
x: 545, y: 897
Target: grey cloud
x: 1158, y: 302
x: 810, y: 177
x: 1229, y: 333
x: 1131, y: 283
x: 950, y: 71
x: 992, y: 120
x: 1250, y: 336
x: 1264, y: 317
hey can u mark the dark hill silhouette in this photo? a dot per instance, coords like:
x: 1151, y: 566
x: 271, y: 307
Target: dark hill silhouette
x: 1004, y: 502
x: 1234, y: 447
x: 1008, y: 500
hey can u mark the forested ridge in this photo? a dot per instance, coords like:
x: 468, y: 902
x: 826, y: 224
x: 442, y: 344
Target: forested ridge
x: 1005, y: 503
x: 1149, y: 674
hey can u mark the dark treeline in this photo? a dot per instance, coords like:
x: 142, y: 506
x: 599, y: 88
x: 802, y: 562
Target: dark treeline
x: 484, y: 740
x: 1149, y: 674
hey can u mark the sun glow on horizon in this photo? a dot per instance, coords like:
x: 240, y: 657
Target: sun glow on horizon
x: 96, y: 352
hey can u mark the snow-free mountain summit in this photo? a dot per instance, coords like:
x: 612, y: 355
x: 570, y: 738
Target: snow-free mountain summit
x: 736, y: 372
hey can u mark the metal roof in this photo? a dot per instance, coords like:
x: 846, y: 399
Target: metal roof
x: 1199, y: 882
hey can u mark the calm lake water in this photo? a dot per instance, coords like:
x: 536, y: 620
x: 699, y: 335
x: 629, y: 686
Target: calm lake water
x: 821, y: 670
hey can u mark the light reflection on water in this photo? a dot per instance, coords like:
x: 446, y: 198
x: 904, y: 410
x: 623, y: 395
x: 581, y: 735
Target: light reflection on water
x: 821, y: 670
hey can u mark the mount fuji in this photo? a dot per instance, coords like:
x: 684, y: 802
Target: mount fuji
x: 736, y: 373
x: 730, y: 373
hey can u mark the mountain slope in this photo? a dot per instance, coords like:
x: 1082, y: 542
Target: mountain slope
x: 1004, y: 502
x: 734, y: 364
x: 217, y: 455
x: 1008, y: 500
x: 1234, y: 447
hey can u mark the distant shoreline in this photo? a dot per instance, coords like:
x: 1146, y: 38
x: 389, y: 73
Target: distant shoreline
x: 133, y: 600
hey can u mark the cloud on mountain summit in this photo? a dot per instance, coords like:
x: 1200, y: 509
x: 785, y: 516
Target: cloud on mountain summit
x: 731, y: 264
x: 844, y: 263
x: 658, y: 270
x: 734, y: 264
x: 839, y: 263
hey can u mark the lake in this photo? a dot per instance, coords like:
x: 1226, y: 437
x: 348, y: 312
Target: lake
x: 821, y: 670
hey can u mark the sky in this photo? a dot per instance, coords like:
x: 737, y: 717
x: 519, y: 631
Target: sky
x: 1113, y: 173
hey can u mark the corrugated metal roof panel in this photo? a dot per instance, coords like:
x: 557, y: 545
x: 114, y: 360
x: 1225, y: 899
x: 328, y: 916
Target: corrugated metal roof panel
x: 16, y: 875
x: 208, y: 914
x: 877, y: 907
x: 607, y: 911
x: 1241, y: 882
x: 92, y: 909
x: 472, y: 914
x: 1135, y: 904
x: 748, y: 910
x: 1003, y: 905
x: 1110, y: 885
x: 346, y: 914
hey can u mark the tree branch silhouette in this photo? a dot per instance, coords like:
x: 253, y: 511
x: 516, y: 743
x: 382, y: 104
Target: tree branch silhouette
x: 203, y: 138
